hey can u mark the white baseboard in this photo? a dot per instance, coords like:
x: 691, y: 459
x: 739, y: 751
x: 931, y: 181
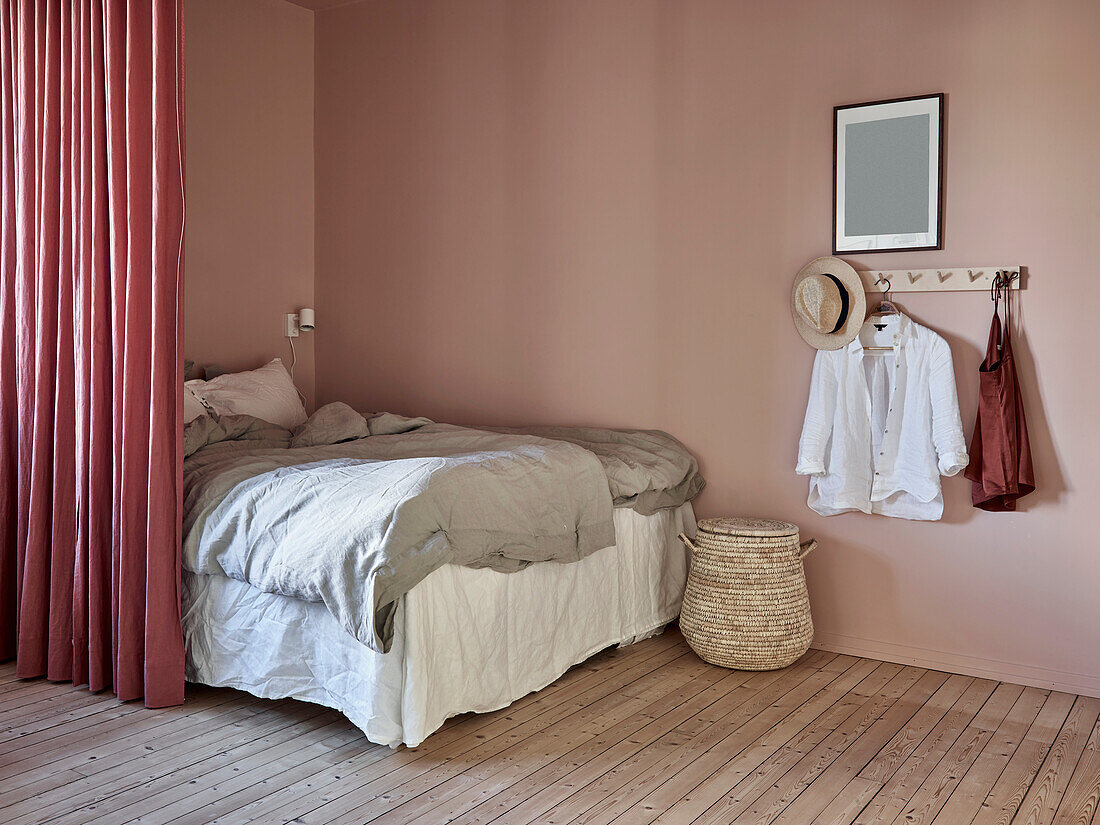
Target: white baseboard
x: 1061, y: 680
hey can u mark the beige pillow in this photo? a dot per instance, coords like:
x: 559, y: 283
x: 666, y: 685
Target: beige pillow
x: 192, y: 407
x: 267, y: 393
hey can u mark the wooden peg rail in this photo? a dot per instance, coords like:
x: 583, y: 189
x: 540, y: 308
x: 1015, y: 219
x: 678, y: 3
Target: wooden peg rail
x: 957, y: 279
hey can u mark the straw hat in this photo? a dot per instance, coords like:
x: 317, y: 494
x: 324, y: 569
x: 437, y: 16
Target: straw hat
x: 828, y: 303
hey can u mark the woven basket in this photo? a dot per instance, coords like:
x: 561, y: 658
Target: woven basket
x: 746, y: 605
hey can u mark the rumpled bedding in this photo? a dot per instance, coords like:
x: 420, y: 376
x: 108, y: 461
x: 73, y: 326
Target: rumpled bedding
x: 647, y: 470
x: 325, y: 513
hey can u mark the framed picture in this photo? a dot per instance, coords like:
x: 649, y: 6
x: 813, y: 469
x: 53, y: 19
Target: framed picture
x: 888, y: 175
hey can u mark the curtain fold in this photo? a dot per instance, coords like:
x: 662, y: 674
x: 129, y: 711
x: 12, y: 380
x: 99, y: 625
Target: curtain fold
x: 91, y: 169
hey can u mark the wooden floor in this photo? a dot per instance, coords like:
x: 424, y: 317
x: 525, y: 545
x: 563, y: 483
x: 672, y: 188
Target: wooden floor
x: 644, y: 734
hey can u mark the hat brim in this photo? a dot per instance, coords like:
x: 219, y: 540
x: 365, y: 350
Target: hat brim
x: 857, y: 304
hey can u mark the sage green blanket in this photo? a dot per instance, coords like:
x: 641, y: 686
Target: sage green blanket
x: 350, y: 511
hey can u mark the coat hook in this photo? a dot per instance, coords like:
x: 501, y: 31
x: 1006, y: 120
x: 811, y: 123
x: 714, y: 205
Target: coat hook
x: 914, y: 278
x: 942, y: 277
x: 970, y: 274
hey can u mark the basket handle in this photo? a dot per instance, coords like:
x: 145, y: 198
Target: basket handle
x: 806, y: 547
x: 690, y: 545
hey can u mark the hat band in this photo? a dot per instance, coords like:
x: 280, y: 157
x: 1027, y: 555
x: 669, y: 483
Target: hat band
x: 843, y: 302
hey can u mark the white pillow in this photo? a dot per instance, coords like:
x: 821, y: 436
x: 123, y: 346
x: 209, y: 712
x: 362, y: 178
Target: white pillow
x: 192, y: 407
x: 267, y: 393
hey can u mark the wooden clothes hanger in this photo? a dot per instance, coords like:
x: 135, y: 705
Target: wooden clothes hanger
x: 885, y: 307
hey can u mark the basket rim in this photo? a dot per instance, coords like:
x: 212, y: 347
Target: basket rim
x: 744, y: 526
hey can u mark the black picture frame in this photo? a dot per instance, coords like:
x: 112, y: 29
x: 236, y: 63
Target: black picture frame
x: 844, y: 243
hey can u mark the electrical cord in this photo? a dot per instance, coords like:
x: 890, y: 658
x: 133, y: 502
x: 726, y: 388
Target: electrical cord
x: 293, y: 361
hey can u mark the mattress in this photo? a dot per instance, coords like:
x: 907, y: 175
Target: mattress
x: 465, y: 639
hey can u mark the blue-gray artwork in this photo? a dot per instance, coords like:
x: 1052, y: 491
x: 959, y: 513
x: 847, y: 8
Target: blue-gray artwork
x: 886, y: 176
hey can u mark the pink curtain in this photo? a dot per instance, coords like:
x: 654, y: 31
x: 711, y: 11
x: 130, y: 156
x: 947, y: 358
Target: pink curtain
x: 90, y: 345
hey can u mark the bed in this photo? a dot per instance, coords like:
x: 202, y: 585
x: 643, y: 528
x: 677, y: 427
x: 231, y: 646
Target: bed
x: 403, y: 572
x: 522, y: 631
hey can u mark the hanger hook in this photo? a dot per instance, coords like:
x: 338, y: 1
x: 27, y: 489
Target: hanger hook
x: 1002, y: 281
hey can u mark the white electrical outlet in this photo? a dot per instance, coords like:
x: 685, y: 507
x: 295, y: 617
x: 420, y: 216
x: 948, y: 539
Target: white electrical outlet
x: 290, y: 325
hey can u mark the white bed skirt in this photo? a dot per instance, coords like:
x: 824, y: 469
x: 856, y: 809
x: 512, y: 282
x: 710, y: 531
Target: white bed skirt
x: 464, y: 639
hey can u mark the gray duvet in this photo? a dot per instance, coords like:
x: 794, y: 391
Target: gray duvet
x: 349, y: 511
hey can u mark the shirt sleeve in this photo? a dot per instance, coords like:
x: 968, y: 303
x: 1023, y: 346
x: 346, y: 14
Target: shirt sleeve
x: 818, y: 426
x: 947, y: 431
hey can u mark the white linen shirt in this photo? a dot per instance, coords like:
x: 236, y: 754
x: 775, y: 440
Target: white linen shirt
x: 877, y: 436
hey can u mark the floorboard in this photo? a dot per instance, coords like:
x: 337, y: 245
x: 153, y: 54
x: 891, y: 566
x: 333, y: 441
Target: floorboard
x: 645, y: 734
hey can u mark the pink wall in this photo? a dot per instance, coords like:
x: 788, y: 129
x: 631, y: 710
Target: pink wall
x: 249, y: 181
x: 593, y: 212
